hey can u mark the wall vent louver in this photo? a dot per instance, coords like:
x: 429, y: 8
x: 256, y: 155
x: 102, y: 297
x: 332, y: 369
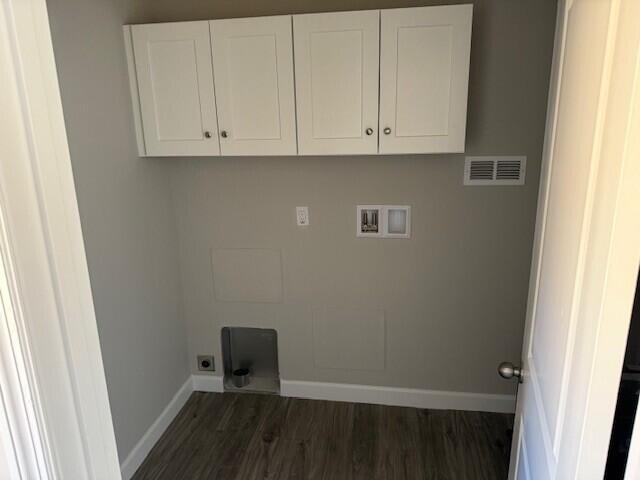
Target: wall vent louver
x: 495, y: 170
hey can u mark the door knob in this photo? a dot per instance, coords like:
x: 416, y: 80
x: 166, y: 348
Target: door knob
x: 508, y: 370
x: 224, y: 134
x: 387, y: 130
x: 207, y: 134
x: 369, y: 131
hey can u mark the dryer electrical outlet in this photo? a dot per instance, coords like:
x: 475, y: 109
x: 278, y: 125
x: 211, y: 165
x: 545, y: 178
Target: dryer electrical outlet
x: 206, y: 363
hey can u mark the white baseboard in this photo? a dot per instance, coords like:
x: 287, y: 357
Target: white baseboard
x: 198, y: 383
x: 401, y: 397
x: 207, y: 383
x: 155, y: 431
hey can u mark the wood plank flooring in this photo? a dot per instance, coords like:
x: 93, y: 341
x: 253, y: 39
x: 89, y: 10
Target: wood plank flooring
x: 235, y: 436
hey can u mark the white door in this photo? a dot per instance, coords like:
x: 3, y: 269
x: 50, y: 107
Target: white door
x: 336, y: 64
x: 569, y: 348
x: 253, y: 71
x: 424, y: 77
x: 175, y: 84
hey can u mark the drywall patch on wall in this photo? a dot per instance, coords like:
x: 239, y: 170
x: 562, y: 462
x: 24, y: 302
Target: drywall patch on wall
x: 350, y: 338
x: 247, y: 275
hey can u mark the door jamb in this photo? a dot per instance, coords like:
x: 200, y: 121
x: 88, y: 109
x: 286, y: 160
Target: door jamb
x: 46, y: 249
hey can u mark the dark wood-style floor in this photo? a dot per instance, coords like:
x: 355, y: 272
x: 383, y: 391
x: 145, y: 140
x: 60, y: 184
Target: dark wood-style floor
x: 244, y: 437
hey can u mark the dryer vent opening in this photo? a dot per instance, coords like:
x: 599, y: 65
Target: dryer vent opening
x: 250, y: 359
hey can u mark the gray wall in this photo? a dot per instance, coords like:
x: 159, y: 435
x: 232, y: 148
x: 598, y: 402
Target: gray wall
x: 452, y: 297
x: 127, y: 219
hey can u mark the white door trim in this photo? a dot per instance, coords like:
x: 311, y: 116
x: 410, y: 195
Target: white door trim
x: 616, y: 239
x: 46, y: 249
x: 26, y: 452
x: 633, y: 461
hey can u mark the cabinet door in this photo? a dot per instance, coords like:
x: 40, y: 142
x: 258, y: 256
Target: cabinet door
x: 336, y: 64
x: 175, y: 86
x: 253, y: 70
x: 424, y: 77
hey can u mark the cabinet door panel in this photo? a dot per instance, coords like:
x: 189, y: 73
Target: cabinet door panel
x: 424, y: 75
x: 336, y: 64
x: 175, y: 85
x: 253, y: 70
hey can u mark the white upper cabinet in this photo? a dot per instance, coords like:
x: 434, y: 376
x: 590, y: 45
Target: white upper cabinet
x: 253, y: 71
x: 424, y: 76
x: 175, y: 89
x: 377, y: 81
x: 336, y: 66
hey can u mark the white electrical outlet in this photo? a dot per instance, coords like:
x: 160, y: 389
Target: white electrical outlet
x: 302, y: 216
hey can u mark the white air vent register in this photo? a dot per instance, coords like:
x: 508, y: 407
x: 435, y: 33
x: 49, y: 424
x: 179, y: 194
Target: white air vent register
x: 495, y: 170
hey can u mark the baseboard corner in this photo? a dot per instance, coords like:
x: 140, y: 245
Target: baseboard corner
x: 133, y: 461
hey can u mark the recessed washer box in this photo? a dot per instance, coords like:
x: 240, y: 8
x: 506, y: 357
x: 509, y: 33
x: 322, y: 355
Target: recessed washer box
x: 383, y: 221
x: 369, y: 220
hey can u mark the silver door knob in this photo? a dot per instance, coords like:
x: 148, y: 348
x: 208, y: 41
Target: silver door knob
x: 387, y: 130
x: 369, y: 131
x: 224, y: 134
x: 508, y: 370
x: 207, y: 134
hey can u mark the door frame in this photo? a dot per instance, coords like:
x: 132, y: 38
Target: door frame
x: 40, y: 192
x: 610, y: 258
x: 45, y: 257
